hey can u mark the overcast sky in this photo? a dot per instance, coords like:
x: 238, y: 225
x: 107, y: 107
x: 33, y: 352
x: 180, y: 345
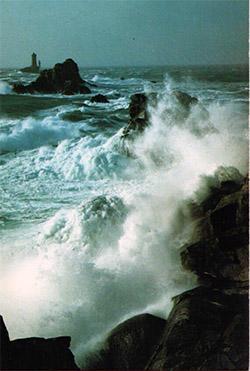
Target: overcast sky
x: 124, y: 32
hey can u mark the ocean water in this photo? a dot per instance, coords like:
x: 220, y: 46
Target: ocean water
x: 90, y: 235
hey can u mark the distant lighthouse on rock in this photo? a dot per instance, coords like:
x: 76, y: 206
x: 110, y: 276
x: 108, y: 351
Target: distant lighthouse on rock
x: 34, y: 68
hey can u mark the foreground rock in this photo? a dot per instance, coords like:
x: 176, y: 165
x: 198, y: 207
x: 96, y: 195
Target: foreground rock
x: 207, y: 328
x: 63, y: 78
x: 35, y: 353
x: 129, y: 345
x: 218, y: 252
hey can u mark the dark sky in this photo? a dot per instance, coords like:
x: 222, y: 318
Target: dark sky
x: 124, y: 32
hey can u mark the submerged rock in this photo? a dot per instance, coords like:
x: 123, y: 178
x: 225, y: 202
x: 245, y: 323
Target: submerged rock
x: 129, y: 345
x: 99, y: 98
x: 35, y: 353
x: 62, y: 78
x: 181, y: 107
x: 185, y: 99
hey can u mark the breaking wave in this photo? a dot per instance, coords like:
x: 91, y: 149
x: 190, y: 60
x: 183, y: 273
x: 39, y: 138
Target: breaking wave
x: 109, y: 247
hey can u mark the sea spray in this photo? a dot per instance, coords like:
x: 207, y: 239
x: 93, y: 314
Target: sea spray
x: 5, y: 88
x: 92, y: 236
x: 32, y: 134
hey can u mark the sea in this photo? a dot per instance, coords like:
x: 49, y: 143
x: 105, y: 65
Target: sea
x: 91, y: 224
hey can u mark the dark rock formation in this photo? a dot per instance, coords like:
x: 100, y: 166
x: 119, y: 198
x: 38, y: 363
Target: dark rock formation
x: 4, y: 345
x: 62, y: 78
x: 204, y: 332
x: 129, y: 345
x: 218, y: 252
x: 99, y: 98
x: 35, y: 353
x: 207, y: 328
x: 138, y: 106
x: 139, y: 118
x: 138, y: 114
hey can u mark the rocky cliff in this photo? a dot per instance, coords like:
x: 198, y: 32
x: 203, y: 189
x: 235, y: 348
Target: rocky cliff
x: 207, y: 328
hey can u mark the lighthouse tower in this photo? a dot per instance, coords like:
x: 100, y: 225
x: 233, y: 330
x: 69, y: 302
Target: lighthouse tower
x: 34, y: 68
x: 33, y: 61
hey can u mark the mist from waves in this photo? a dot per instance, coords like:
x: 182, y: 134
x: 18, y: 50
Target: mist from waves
x: 114, y: 251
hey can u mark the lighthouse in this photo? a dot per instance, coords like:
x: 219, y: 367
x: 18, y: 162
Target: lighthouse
x: 33, y: 61
x: 34, y: 67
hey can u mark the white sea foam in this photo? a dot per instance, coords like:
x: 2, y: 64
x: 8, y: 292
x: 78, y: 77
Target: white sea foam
x: 90, y: 265
x: 31, y: 133
x: 5, y: 88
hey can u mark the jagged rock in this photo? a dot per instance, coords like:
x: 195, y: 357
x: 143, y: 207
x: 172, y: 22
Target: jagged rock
x: 137, y: 106
x: 62, y: 78
x: 139, y: 118
x: 129, y: 345
x: 138, y: 114
x: 206, y: 330
x: 222, y: 188
x: 219, y: 247
x: 36, y: 353
x: 99, y: 98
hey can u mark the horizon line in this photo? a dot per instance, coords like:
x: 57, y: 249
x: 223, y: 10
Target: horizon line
x: 146, y: 66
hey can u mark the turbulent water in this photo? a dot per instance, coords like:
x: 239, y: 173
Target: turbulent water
x: 89, y: 235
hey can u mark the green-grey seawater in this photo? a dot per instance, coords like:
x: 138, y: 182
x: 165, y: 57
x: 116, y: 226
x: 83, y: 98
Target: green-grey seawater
x: 89, y: 235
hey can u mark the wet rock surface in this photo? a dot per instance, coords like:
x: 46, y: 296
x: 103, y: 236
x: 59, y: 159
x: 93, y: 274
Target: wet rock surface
x: 203, y: 332
x: 219, y: 249
x: 63, y: 78
x: 207, y: 324
x: 129, y: 345
x: 185, y: 99
x: 138, y: 114
x: 138, y: 110
x: 207, y: 328
x: 35, y: 353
